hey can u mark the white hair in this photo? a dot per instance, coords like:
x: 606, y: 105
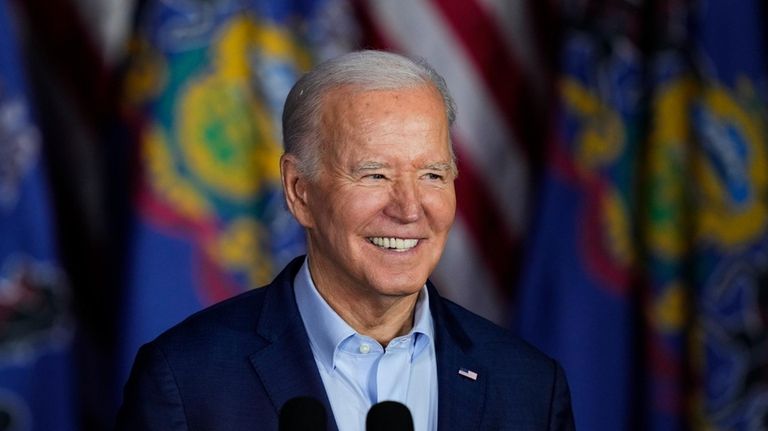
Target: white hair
x: 364, y: 70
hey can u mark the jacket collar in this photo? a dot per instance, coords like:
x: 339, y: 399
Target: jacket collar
x: 287, y: 346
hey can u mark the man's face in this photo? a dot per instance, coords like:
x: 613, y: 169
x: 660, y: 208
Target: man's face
x: 379, y: 211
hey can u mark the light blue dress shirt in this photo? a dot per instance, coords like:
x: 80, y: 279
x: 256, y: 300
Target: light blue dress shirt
x: 358, y: 372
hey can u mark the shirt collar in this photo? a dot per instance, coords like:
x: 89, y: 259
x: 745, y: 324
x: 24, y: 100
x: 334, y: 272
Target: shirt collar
x: 423, y: 327
x: 326, y: 329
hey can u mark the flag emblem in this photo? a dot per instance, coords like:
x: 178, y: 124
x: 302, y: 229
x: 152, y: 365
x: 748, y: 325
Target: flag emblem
x: 468, y: 373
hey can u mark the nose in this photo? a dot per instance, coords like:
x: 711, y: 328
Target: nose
x: 404, y: 204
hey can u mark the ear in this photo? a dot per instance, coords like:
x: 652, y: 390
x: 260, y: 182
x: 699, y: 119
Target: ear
x: 295, y: 188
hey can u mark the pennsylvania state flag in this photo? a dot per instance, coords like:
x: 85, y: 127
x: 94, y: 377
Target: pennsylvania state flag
x: 37, y: 377
x: 203, y: 93
x: 648, y: 268
x: 576, y: 297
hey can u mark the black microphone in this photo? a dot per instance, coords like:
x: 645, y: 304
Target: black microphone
x: 389, y: 416
x: 302, y: 414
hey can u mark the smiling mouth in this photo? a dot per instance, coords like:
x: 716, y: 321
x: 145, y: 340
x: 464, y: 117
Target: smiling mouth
x: 395, y: 244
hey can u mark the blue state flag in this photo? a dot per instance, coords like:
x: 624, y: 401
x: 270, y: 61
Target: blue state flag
x: 37, y: 387
x: 576, y: 295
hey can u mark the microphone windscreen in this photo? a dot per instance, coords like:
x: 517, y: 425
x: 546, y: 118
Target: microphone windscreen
x: 389, y: 416
x: 302, y: 414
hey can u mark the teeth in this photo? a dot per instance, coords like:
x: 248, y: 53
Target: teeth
x: 397, y: 244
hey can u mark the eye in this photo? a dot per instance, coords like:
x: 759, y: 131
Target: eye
x: 433, y: 176
x: 375, y: 177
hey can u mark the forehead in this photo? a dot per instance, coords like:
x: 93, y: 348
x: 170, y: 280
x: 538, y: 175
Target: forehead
x: 354, y: 98
x: 356, y: 119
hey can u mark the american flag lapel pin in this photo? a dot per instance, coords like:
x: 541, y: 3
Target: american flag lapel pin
x: 468, y: 373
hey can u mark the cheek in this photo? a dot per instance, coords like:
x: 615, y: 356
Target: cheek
x: 362, y: 201
x: 350, y: 210
x: 441, y: 208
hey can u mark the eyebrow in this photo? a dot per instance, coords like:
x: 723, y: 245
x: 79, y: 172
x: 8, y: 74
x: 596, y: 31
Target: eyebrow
x: 439, y: 166
x: 369, y: 166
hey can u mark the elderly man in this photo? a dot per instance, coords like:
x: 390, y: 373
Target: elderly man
x: 368, y: 170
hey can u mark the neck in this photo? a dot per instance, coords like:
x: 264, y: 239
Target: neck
x: 382, y: 322
x: 377, y: 316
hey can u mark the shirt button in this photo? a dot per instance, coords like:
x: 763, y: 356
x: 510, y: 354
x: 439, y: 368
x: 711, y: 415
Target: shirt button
x: 365, y: 348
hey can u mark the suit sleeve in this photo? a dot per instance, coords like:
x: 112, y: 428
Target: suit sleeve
x: 151, y: 398
x: 561, y: 417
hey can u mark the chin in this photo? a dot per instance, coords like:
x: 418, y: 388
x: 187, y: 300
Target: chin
x: 400, y: 284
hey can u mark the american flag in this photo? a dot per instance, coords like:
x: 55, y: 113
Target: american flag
x: 487, y: 53
x: 468, y: 373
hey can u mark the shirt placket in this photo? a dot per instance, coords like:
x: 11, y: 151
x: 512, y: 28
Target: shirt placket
x: 394, y: 371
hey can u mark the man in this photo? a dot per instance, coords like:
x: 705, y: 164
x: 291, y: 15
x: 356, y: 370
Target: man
x: 368, y: 170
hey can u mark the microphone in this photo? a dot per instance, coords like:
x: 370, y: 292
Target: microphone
x: 302, y: 414
x: 389, y: 416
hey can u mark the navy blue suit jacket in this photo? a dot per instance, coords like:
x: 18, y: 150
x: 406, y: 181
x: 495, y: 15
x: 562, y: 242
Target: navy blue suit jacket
x: 233, y: 365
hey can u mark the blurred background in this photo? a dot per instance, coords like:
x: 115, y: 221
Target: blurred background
x: 613, y: 187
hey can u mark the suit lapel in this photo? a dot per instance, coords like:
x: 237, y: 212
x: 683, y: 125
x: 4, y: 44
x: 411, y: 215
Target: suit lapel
x: 285, y: 364
x: 460, y: 398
